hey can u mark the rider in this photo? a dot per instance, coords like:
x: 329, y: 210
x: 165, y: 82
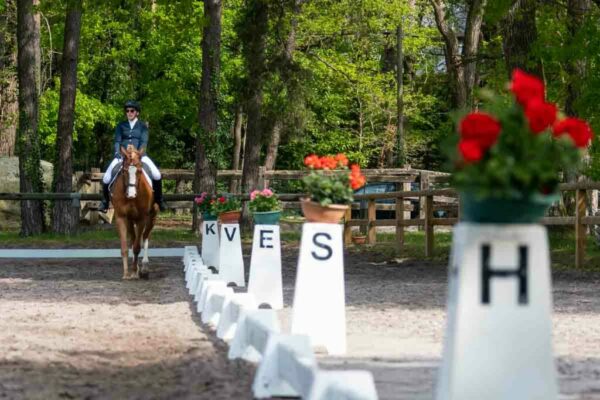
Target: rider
x: 132, y: 132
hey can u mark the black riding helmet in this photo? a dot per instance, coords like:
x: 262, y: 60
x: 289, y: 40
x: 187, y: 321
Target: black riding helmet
x: 132, y: 104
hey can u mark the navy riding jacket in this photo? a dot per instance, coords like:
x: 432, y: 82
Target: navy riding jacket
x: 124, y: 136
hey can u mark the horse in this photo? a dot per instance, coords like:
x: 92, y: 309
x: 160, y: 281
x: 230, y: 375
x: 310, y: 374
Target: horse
x: 135, y: 211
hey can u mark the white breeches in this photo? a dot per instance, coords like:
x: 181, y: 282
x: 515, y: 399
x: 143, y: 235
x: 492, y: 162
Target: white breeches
x: 145, y: 159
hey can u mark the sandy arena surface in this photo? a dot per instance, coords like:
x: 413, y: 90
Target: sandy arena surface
x: 72, y: 329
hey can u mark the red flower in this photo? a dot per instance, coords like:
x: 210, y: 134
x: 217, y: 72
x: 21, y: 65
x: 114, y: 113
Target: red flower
x: 222, y: 199
x: 540, y: 114
x: 481, y: 128
x: 312, y: 161
x: 328, y: 162
x: 341, y: 159
x: 526, y: 87
x: 470, y: 150
x: 357, y: 179
x: 577, y: 129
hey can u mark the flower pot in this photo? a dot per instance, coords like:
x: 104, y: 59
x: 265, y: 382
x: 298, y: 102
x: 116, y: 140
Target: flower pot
x: 314, y: 212
x: 504, y: 210
x: 207, y: 216
x: 230, y: 217
x: 359, y: 239
x: 267, y: 217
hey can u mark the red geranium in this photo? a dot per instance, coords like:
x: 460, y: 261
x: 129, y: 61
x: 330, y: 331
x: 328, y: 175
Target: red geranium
x: 328, y: 162
x: 357, y: 179
x: 222, y: 199
x: 312, y: 161
x: 577, y: 129
x: 540, y: 114
x: 342, y: 159
x: 526, y: 87
x: 470, y: 150
x: 481, y: 128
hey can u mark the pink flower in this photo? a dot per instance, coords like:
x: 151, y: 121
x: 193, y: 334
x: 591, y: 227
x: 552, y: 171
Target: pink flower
x: 253, y: 194
x: 267, y: 192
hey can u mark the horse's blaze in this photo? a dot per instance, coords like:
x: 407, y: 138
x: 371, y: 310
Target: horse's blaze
x: 131, y: 192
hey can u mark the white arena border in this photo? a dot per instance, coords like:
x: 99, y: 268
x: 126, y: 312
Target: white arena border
x: 85, y: 253
x: 287, y: 365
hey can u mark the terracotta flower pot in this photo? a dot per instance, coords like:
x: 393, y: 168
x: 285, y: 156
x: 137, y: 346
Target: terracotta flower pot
x: 230, y: 217
x: 359, y: 239
x: 314, y: 212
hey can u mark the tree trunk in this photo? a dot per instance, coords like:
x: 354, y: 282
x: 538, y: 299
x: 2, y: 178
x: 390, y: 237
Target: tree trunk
x: 520, y: 32
x: 8, y: 80
x: 461, y: 66
x: 254, y: 54
x: 28, y: 148
x: 64, y: 215
x: 254, y: 39
x: 576, y: 68
x: 234, y: 185
x: 286, y: 72
x: 206, y: 142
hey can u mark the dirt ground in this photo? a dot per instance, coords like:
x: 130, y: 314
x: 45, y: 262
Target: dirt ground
x: 72, y: 329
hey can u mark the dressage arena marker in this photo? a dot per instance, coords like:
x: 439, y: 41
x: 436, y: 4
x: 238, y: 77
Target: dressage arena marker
x: 84, y: 253
x: 265, y: 267
x: 289, y: 369
x: 252, y: 334
x: 498, y: 340
x: 319, y: 309
x: 210, y: 243
x: 231, y: 261
x: 232, y: 309
x: 253, y: 330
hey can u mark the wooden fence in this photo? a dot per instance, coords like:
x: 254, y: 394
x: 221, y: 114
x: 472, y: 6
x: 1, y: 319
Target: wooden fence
x: 429, y: 200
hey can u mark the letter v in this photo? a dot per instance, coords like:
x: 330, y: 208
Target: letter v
x: 230, y: 237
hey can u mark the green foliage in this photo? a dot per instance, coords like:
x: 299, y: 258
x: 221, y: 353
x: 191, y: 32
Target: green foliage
x: 225, y: 203
x: 328, y: 187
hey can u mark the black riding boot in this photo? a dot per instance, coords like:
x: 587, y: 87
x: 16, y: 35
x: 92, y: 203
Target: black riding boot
x: 105, y: 201
x: 158, y: 199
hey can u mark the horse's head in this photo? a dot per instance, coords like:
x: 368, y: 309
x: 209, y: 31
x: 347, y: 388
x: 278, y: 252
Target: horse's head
x: 132, y: 169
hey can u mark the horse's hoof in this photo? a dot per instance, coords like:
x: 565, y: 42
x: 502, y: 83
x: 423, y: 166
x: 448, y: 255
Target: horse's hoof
x: 144, y: 275
x: 126, y: 277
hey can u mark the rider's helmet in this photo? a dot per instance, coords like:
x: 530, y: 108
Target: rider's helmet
x: 132, y: 104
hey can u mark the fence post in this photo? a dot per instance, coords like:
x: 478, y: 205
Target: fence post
x: 580, y: 231
x: 424, y: 185
x: 347, y: 227
x: 428, y: 226
x: 371, y: 229
x: 399, y: 225
x: 262, y: 182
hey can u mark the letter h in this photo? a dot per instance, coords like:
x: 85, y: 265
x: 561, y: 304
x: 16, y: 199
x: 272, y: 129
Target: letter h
x: 487, y: 274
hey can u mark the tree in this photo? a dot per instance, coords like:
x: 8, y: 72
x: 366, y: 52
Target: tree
x: 206, y: 141
x: 518, y: 37
x: 254, y: 33
x: 64, y: 216
x: 576, y: 68
x: 286, y: 68
x: 461, y: 65
x: 8, y: 79
x: 28, y: 150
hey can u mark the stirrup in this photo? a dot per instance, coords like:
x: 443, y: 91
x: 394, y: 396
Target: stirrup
x: 103, y: 207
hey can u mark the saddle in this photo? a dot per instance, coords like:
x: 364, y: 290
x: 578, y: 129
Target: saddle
x: 117, y: 170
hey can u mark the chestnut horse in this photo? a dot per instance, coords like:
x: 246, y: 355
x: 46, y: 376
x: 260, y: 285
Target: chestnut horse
x: 135, y: 211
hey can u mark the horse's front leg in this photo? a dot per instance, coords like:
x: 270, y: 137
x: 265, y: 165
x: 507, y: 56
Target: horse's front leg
x: 121, y: 224
x: 137, y: 246
x: 145, y: 271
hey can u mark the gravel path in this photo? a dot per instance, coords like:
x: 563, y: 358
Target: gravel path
x: 73, y: 329
x: 396, y: 322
